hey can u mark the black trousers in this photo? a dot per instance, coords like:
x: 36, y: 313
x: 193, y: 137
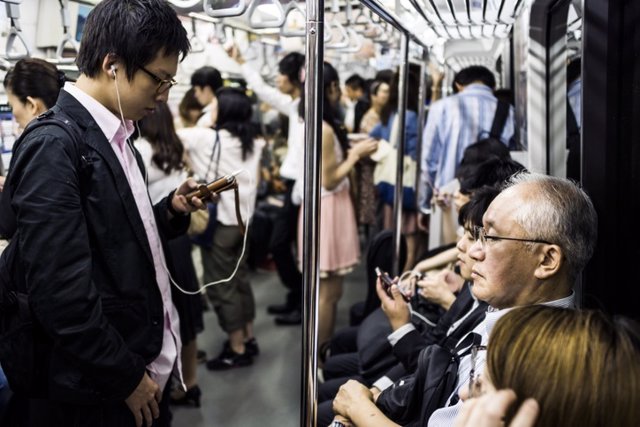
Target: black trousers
x: 48, y: 413
x: 283, y: 235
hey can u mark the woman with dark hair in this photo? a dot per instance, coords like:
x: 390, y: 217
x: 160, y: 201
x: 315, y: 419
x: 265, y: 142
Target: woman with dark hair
x: 163, y: 155
x: 237, y: 150
x: 339, y: 246
x: 32, y: 87
x: 387, y: 130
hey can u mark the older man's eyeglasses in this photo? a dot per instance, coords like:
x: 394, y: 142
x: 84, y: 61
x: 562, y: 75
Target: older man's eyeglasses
x: 480, y: 235
x: 163, y: 84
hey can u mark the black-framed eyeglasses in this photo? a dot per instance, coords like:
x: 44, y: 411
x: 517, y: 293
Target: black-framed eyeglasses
x: 480, y: 235
x: 163, y: 84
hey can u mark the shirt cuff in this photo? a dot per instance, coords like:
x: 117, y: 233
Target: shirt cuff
x: 396, y: 335
x: 383, y: 383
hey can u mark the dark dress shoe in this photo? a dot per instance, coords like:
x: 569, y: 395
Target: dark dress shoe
x: 280, y: 309
x: 190, y: 398
x: 293, y: 318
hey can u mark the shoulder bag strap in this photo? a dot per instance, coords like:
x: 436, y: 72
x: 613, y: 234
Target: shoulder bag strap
x: 499, y: 120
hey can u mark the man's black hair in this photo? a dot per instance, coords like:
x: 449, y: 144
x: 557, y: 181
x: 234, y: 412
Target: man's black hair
x: 475, y: 73
x: 291, y: 65
x: 356, y: 82
x: 473, y: 211
x: 135, y: 31
x: 207, y: 76
x: 494, y: 171
x: 384, y: 76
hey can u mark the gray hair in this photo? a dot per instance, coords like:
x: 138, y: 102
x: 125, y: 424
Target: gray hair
x: 560, y: 212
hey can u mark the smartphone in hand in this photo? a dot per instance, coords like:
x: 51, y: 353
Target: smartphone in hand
x: 203, y: 192
x: 387, y: 283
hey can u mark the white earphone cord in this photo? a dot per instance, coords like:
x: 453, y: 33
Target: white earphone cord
x: 247, y: 221
x: 235, y: 270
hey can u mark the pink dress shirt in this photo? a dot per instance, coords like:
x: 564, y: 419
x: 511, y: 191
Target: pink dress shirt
x: 168, y: 361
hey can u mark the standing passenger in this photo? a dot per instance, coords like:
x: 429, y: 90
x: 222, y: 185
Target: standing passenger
x: 205, y: 82
x: 339, y: 248
x: 162, y: 153
x: 89, y: 246
x: 238, y: 149
x: 32, y: 87
x: 453, y: 124
x: 285, y: 98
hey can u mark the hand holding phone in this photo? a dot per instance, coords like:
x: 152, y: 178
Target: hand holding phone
x: 387, y: 282
x: 217, y: 186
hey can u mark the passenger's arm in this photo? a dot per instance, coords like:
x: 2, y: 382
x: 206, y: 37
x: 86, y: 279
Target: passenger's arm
x: 354, y: 401
x: 440, y: 260
x: 440, y: 288
x: 269, y: 94
x: 333, y: 172
x: 57, y: 256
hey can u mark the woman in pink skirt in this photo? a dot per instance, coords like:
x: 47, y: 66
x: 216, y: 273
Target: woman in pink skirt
x: 339, y: 243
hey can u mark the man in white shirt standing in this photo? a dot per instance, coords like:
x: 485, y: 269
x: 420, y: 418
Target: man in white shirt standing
x: 285, y: 98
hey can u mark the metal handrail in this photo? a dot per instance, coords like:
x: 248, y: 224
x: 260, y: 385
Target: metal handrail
x: 274, y: 23
x: 224, y: 12
x: 353, y: 48
x: 67, y: 39
x: 292, y: 7
x: 196, y: 44
x: 185, y: 4
x: 13, y: 13
x: 343, y: 43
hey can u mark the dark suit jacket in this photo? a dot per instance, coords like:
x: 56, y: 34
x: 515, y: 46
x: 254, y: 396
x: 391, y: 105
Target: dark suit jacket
x: 86, y: 260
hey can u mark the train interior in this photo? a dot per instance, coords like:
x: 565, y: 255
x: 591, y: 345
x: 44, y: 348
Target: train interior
x: 526, y: 43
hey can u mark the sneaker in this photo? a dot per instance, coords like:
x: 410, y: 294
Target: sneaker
x: 251, y: 347
x: 229, y: 359
x: 201, y: 355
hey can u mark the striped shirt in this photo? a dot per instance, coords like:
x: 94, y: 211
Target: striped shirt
x: 453, y: 124
x: 446, y: 416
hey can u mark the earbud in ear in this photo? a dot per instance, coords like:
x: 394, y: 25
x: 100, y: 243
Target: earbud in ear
x: 113, y: 70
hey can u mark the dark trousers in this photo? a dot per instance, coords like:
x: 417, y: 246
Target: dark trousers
x: 283, y: 234
x: 48, y: 413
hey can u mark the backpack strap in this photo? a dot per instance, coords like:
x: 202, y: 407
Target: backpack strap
x: 499, y: 119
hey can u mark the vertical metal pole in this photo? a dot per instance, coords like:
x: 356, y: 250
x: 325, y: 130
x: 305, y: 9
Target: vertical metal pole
x: 311, y: 207
x: 402, y: 107
x: 422, y: 115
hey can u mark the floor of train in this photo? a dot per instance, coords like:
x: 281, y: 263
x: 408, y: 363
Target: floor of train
x: 268, y: 392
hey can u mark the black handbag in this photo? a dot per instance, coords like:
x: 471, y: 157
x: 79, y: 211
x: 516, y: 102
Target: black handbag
x: 412, y: 400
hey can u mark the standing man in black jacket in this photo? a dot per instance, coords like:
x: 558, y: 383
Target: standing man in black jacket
x: 89, y: 246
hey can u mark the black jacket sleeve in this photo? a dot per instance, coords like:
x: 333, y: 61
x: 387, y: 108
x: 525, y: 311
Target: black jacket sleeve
x: 57, y: 258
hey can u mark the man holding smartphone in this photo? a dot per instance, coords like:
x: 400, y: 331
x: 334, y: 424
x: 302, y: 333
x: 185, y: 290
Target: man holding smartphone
x: 88, y: 253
